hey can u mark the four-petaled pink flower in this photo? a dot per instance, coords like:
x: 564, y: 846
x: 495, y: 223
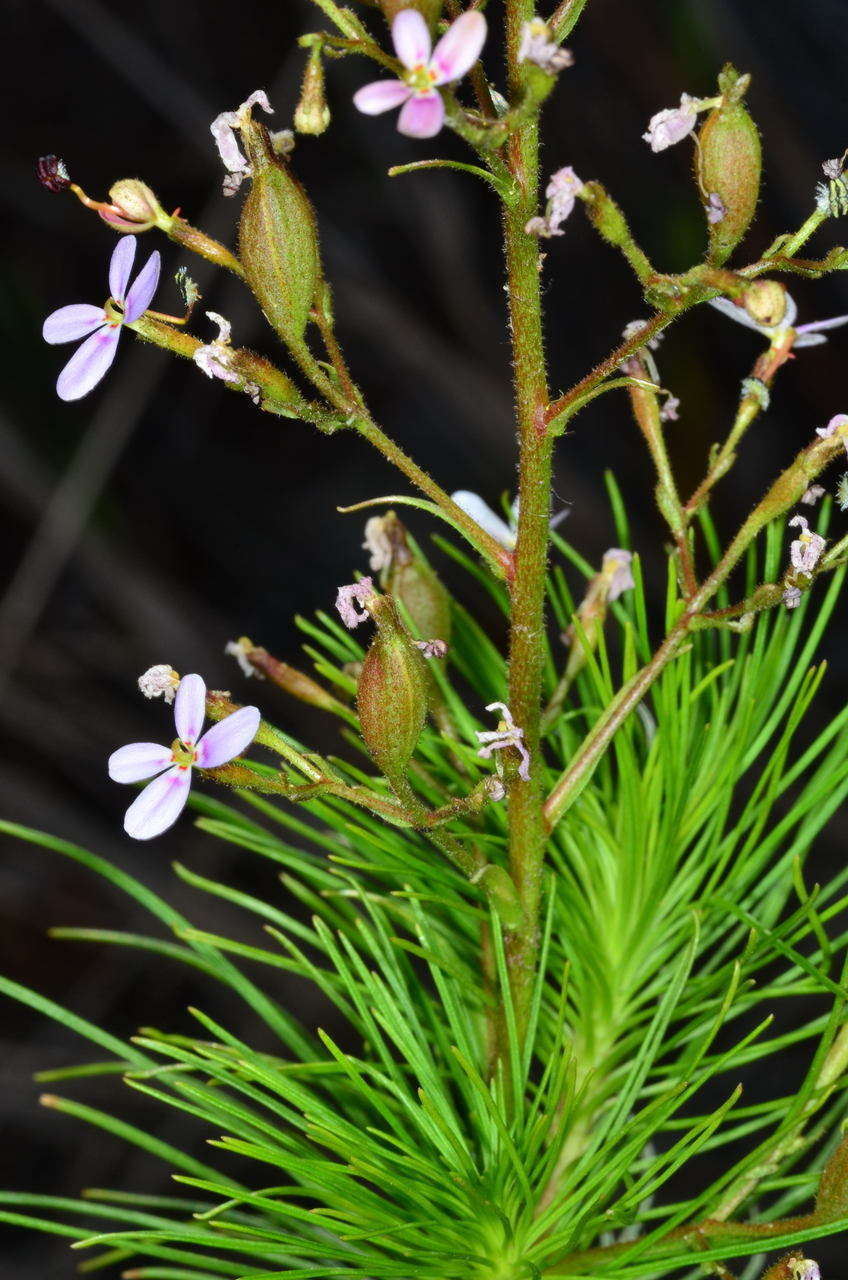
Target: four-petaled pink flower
x: 163, y: 800
x: 101, y: 326
x: 423, y: 111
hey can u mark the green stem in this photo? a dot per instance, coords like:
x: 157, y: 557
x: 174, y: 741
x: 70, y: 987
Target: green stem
x: 526, y: 828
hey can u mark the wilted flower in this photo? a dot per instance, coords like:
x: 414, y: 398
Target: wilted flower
x: 792, y: 597
x: 673, y: 124
x: 616, y: 568
x: 432, y: 648
x: 839, y: 422
x: 215, y: 359
x: 160, y: 681
x: 807, y: 335
x: 806, y: 550
x: 101, y: 326
x: 538, y: 47
x: 507, y: 734
x: 716, y: 212
x: 562, y: 190
x: 349, y: 596
x: 223, y: 131
x: 385, y: 539
x: 423, y: 112
x: 163, y: 800
x: 669, y: 411
x: 812, y: 495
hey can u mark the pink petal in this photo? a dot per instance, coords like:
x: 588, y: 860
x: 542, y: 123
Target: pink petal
x: 460, y: 47
x: 159, y: 805
x: 423, y: 116
x: 144, y: 286
x: 138, y: 761
x: 818, y: 325
x: 411, y: 38
x: 381, y: 95
x: 190, y: 708
x: 88, y: 364
x: 72, y: 322
x: 121, y: 266
x: 228, y: 738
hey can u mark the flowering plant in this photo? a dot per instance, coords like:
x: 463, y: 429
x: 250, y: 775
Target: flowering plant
x: 556, y: 889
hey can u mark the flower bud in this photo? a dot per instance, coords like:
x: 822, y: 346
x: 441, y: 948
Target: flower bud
x: 278, y: 238
x: 256, y: 661
x: 392, y: 694
x: 312, y: 115
x: 430, y: 9
x: 728, y: 165
x: 765, y: 302
x: 135, y: 207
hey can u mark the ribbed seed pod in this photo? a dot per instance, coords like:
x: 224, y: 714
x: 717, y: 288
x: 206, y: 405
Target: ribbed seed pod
x: 729, y: 164
x: 278, y: 239
x: 392, y: 694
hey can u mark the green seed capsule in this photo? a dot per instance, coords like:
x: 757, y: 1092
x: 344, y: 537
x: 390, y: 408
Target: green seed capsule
x: 729, y: 163
x: 392, y: 694
x: 429, y: 9
x: 278, y: 239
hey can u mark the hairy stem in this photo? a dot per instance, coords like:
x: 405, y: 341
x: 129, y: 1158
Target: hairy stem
x: 526, y: 828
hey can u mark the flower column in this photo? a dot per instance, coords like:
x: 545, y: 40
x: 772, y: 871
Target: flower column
x: 526, y: 831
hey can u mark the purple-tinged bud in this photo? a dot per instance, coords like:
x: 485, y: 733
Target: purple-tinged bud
x: 134, y: 207
x: 391, y: 698
x: 52, y: 173
x: 312, y: 115
x: 728, y: 164
x: 765, y: 302
x: 278, y: 238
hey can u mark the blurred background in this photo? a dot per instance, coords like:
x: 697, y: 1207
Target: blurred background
x: 159, y: 517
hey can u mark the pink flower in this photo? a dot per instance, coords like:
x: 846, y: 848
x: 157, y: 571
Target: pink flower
x: 349, y: 596
x: 423, y: 111
x: 163, y: 800
x: 507, y: 734
x: 101, y: 326
x: 839, y: 422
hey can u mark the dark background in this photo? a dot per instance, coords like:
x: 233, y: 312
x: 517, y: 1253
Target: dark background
x: 160, y: 517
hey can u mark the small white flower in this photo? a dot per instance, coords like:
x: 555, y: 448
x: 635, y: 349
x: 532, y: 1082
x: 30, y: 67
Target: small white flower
x: 812, y: 495
x: 160, y: 681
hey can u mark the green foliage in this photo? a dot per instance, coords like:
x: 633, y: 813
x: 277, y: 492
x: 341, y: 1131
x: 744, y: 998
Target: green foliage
x: 677, y: 925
